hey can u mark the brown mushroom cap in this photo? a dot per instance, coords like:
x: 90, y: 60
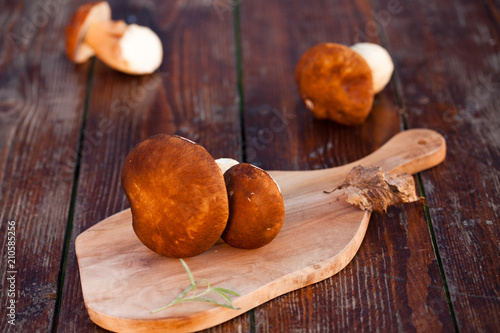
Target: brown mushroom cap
x: 76, y: 49
x: 335, y: 83
x: 177, y: 196
x: 256, y: 208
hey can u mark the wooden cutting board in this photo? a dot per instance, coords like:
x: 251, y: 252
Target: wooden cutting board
x: 122, y: 280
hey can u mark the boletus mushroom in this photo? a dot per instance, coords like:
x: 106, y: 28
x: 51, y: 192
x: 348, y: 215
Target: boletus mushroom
x: 338, y: 82
x: 177, y: 195
x: 256, y: 208
x: 131, y: 49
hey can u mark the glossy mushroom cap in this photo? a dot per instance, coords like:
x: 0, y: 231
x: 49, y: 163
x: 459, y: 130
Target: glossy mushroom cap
x: 335, y: 83
x: 256, y: 208
x: 76, y: 49
x: 177, y: 196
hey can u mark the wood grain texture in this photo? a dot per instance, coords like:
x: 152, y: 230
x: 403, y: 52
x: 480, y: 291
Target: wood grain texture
x: 194, y: 94
x: 122, y: 280
x: 41, y: 106
x: 394, y: 281
x: 449, y: 79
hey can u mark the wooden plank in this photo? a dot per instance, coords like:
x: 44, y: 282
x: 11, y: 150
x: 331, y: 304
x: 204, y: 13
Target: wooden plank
x: 393, y: 283
x: 194, y: 94
x: 449, y: 73
x: 41, y: 108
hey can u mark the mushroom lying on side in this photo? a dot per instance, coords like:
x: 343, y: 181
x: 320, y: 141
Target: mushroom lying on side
x: 256, y: 208
x: 131, y: 49
x: 338, y: 82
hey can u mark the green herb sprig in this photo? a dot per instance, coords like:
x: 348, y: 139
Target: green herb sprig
x: 189, y: 294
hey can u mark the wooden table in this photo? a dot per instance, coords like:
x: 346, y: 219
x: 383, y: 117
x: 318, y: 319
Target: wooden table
x: 227, y: 82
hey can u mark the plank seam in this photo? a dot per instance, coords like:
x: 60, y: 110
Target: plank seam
x: 436, y: 252
x: 239, y: 76
x: 241, y: 102
x: 397, y: 88
x: 74, y: 192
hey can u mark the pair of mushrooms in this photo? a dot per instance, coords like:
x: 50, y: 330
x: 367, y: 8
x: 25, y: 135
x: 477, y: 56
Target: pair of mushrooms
x: 183, y: 201
x: 338, y: 82
x: 131, y: 49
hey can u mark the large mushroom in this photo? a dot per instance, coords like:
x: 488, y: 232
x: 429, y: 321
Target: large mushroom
x: 339, y: 83
x: 131, y: 49
x: 177, y: 195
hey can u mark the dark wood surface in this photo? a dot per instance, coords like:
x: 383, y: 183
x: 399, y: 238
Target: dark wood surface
x: 459, y: 97
x: 227, y: 82
x: 393, y: 282
x: 41, y: 101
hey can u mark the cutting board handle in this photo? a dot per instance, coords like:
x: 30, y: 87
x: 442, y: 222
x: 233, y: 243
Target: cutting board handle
x: 410, y: 151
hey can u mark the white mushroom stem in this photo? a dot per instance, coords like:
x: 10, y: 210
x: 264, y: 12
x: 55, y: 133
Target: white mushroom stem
x: 131, y: 48
x: 379, y: 61
x: 226, y: 163
x: 104, y: 37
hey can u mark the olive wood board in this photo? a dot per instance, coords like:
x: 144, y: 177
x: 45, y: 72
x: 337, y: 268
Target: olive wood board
x: 122, y: 280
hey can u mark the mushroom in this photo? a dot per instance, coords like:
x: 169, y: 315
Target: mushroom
x: 131, y: 49
x: 339, y: 83
x: 256, y: 208
x: 177, y: 196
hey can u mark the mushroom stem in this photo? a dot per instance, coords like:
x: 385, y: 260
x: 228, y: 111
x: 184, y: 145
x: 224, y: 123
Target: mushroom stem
x: 131, y: 49
x: 104, y: 39
x: 226, y: 163
x: 379, y: 61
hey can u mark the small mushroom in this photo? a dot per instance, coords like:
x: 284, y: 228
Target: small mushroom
x: 177, y: 196
x: 131, y: 49
x: 338, y: 83
x: 256, y: 208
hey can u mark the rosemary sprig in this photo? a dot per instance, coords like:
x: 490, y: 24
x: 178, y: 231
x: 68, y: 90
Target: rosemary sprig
x: 189, y: 294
